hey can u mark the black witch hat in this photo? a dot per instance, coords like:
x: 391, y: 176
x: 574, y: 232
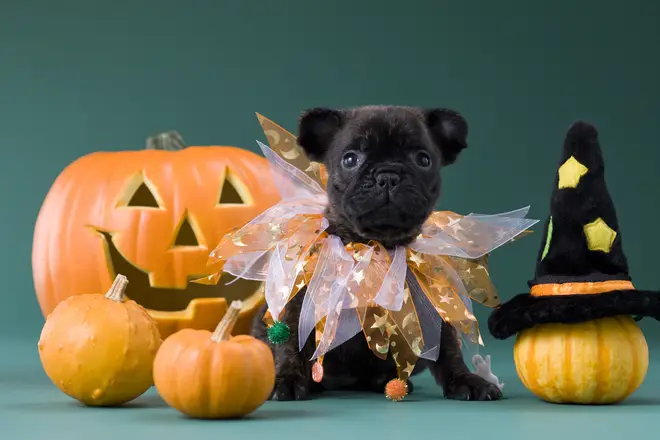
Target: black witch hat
x: 581, y: 271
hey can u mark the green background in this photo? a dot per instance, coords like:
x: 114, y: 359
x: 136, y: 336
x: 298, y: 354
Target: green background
x: 81, y: 76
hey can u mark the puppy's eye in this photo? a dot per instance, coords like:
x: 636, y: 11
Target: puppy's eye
x: 350, y: 160
x: 422, y: 159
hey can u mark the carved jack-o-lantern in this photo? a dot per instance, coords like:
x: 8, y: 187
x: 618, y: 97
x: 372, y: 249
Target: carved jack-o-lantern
x: 152, y: 215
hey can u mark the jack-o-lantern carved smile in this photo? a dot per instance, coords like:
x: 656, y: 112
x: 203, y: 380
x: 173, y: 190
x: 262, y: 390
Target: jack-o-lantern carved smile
x: 153, y: 216
x: 168, y: 299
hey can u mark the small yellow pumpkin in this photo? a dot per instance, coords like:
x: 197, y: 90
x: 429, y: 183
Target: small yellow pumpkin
x: 100, y: 349
x: 214, y: 375
x: 596, y: 362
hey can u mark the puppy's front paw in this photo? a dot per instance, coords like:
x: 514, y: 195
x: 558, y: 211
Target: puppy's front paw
x: 291, y: 388
x: 471, y: 387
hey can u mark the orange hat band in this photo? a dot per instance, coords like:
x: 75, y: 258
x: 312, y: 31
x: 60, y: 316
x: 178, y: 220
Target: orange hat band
x: 591, y: 288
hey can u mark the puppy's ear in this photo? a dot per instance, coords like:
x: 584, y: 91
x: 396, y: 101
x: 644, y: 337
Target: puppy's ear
x: 316, y: 129
x: 449, y: 130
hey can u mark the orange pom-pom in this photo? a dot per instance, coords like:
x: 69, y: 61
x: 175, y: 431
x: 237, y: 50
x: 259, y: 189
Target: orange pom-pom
x: 396, y: 390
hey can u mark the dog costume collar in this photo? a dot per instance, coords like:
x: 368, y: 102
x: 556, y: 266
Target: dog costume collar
x: 397, y: 298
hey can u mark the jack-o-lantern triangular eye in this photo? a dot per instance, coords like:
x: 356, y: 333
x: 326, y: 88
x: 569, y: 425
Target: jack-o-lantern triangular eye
x: 229, y: 193
x: 139, y: 193
x: 143, y: 197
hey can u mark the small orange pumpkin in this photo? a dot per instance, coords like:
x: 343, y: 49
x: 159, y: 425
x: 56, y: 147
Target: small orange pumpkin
x: 153, y: 215
x: 100, y: 349
x: 214, y: 376
x: 596, y: 362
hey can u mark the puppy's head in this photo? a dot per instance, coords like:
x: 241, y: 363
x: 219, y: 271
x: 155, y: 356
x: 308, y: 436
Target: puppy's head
x: 383, y: 166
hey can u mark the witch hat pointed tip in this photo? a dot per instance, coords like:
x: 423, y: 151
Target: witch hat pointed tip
x: 582, y: 144
x: 581, y: 130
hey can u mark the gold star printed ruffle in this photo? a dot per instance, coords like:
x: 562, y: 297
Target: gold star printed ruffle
x: 286, y: 145
x: 570, y: 173
x: 600, y: 237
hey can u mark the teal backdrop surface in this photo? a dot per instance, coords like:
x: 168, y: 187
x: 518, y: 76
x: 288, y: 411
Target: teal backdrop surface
x: 81, y: 76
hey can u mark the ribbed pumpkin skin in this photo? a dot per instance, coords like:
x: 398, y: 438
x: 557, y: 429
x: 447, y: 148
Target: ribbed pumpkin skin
x: 214, y: 380
x: 597, y: 362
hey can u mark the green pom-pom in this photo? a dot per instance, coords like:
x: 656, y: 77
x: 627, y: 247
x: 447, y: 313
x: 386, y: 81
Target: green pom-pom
x: 278, y: 333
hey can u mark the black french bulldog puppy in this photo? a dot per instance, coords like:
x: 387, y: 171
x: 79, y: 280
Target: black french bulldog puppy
x: 383, y: 168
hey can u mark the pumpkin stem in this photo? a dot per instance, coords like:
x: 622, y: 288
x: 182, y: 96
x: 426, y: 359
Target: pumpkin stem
x: 116, y: 291
x: 168, y: 141
x: 223, y: 330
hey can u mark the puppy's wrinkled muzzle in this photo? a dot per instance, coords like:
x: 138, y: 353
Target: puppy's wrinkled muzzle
x: 389, y: 221
x: 387, y: 203
x: 388, y: 181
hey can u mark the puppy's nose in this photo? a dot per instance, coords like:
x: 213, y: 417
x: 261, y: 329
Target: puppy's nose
x: 389, y: 180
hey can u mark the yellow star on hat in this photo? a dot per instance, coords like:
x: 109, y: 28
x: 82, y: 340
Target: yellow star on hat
x: 570, y: 173
x: 600, y: 237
